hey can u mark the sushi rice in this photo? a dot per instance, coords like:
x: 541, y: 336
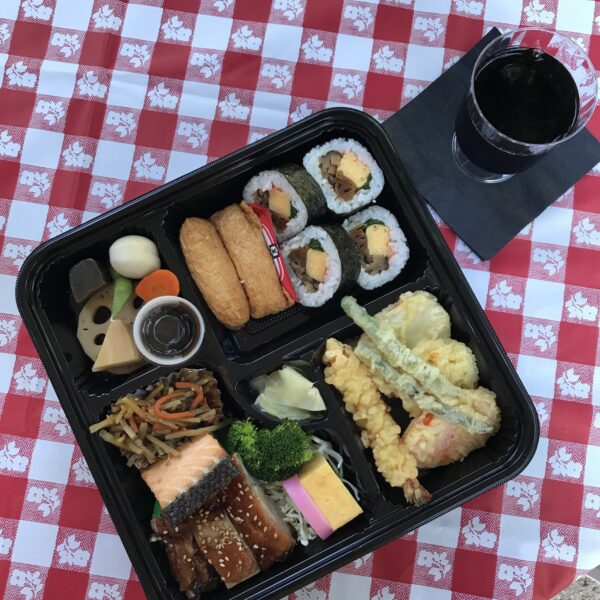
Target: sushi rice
x: 265, y: 181
x: 339, y: 268
x: 399, y: 252
x: 363, y: 196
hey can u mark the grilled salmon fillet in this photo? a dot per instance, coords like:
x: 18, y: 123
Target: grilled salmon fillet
x: 182, y: 484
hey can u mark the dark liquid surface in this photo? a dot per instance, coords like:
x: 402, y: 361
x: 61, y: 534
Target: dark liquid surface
x: 527, y: 95
x: 169, y: 330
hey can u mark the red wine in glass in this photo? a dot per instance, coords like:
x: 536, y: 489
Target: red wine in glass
x: 522, y: 102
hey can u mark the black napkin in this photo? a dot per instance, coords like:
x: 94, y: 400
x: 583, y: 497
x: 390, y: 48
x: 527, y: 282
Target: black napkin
x: 485, y: 216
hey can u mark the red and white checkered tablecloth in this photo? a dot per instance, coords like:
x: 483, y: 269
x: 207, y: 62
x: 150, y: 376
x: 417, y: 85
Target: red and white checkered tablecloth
x: 102, y: 100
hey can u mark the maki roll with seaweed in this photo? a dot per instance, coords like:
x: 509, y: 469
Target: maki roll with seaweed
x: 292, y: 196
x: 346, y: 172
x: 380, y: 243
x: 321, y: 261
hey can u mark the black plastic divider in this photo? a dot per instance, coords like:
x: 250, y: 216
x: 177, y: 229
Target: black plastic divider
x: 263, y: 347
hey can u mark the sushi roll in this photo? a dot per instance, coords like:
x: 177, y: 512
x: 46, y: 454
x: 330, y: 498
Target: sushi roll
x: 347, y: 173
x: 292, y: 196
x: 380, y: 243
x: 321, y: 261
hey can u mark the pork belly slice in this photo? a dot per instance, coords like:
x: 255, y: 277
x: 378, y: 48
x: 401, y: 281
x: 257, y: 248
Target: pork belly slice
x: 189, y: 567
x: 222, y: 545
x: 257, y: 518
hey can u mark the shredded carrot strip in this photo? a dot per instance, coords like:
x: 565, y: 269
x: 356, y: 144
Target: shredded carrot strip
x: 162, y: 427
x: 132, y: 424
x: 159, y: 414
x: 427, y: 419
x: 192, y: 386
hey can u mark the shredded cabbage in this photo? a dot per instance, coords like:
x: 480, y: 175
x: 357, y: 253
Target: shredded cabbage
x: 291, y: 515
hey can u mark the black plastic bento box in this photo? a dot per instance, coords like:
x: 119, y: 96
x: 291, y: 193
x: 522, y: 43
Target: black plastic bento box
x: 262, y: 347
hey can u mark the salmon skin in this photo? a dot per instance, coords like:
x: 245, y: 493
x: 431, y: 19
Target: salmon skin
x: 182, y: 484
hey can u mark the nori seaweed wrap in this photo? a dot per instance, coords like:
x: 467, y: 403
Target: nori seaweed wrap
x: 321, y: 261
x: 292, y: 196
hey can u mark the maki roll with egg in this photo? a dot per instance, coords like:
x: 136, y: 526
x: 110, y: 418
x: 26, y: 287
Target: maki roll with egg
x: 292, y: 196
x: 320, y: 262
x: 346, y: 172
x: 380, y: 243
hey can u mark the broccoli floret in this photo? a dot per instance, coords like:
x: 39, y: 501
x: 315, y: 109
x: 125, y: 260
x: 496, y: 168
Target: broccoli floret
x: 271, y: 454
x: 282, y: 451
x: 242, y: 439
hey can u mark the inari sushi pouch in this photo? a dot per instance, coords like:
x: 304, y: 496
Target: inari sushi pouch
x: 268, y: 230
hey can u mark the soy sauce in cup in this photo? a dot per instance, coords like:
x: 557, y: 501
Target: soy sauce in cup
x: 168, y: 330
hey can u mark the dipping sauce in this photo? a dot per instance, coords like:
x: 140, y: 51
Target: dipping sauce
x: 168, y: 330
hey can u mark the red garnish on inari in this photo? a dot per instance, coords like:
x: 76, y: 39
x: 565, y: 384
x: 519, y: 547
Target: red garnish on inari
x: 268, y: 230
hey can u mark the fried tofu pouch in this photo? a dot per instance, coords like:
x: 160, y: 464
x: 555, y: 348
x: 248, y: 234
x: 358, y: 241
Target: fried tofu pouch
x: 241, y: 233
x: 214, y: 272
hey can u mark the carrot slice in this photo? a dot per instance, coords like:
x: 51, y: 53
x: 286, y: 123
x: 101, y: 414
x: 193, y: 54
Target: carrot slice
x: 161, y: 282
x: 166, y: 416
x: 427, y: 419
x: 192, y: 386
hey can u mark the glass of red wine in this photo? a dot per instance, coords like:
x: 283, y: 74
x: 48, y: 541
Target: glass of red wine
x: 530, y: 91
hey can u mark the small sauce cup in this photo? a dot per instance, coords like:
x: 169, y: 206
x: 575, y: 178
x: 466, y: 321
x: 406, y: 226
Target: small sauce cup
x: 168, y: 331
